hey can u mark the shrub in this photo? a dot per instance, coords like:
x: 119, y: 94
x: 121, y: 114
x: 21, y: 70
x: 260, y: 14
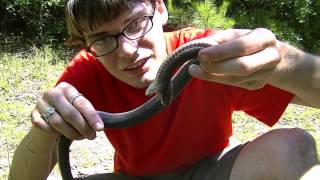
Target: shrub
x: 39, y: 21
x: 294, y: 21
x: 201, y: 14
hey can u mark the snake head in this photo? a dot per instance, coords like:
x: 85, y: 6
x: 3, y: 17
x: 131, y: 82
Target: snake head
x: 166, y: 96
x: 152, y: 89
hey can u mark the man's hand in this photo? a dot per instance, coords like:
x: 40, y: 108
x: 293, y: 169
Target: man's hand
x: 243, y: 58
x: 64, y: 110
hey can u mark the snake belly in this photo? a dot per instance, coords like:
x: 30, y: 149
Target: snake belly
x: 187, y: 55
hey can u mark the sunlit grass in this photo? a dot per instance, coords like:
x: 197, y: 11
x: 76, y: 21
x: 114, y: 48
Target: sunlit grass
x: 247, y: 128
x: 23, y: 79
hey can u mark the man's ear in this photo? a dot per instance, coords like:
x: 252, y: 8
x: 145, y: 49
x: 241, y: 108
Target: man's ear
x: 162, y: 10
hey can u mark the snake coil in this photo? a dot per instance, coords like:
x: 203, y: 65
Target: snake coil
x: 166, y: 90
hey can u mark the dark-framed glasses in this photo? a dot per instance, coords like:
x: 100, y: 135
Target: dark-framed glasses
x: 134, y: 30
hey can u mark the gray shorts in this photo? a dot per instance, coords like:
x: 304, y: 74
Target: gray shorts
x: 217, y: 167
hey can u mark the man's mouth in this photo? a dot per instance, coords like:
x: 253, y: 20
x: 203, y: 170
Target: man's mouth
x: 137, y: 65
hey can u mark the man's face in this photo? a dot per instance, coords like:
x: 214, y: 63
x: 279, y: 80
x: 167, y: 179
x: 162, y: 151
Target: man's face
x: 134, y: 62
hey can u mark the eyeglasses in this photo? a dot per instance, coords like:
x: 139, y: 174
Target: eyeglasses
x: 134, y: 30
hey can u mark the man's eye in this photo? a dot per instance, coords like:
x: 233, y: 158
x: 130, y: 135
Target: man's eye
x: 137, y: 25
x: 99, y: 43
x: 105, y: 40
x: 133, y: 26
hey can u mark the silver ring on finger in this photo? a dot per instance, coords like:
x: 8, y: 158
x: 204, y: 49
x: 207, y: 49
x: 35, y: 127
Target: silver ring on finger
x: 75, y: 96
x: 47, y: 113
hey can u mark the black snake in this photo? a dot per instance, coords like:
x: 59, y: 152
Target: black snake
x: 166, y: 90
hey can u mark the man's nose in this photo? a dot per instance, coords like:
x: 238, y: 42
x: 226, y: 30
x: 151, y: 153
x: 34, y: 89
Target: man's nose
x: 126, y: 47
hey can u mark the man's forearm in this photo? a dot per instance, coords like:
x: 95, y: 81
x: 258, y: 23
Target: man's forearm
x: 34, y: 158
x: 299, y: 73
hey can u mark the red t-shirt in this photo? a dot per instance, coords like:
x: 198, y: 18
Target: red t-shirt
x: 197, y: 124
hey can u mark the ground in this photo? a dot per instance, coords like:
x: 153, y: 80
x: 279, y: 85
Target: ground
x: 24, y: 76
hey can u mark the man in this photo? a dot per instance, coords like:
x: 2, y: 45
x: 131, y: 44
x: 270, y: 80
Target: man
x: 248, y: 70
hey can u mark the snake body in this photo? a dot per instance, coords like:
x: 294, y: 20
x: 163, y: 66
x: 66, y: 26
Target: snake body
x: 165, y: 87
x: 162, y: 85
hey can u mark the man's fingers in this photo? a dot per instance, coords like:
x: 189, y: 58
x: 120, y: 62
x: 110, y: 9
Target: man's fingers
x: 254, y: 81
x: 66, y: 129
x: 89, y: 113
x: 68, y: 118
x: 57, y: 122
x: 39, y: 122
x: 237, y: 46
x: 246, y: 65
x: 229, y: 34
x: 63, y: 109
x: 83, y: 106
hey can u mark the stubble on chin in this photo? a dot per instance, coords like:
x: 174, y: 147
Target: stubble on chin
x: 147, y: 78
x: 150, y: 75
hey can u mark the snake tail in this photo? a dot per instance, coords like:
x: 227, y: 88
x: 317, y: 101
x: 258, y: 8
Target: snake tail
x: 63, y: 156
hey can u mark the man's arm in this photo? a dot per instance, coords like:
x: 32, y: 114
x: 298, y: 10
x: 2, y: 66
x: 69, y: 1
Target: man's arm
x: 299, y: 73
x: 251, y: 59
x: 34, y: 157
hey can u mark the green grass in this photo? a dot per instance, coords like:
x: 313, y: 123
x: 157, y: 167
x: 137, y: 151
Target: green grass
x: 24, y: 78
x: 247, y: 128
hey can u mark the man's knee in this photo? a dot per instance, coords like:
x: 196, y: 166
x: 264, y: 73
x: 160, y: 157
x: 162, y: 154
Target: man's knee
x: 294, y: 151
x: 280, y: 153
x: 295, y: 144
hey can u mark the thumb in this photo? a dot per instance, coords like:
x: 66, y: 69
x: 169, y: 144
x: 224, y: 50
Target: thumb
x: 196, y: 71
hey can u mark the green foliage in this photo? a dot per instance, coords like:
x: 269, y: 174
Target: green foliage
x: 39, y: 21
x: 22, y: 81
x: 201, y: 14
x: 208, y: 15
x: 292, y: 21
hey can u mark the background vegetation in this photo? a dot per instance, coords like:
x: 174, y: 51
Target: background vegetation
x: 32, y: 55
x: 294, y: 21
x: 39, y: 22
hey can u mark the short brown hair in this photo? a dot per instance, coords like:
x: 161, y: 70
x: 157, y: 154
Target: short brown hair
x: 84, y: 15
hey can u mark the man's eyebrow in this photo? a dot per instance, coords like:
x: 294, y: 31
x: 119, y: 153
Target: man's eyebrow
x: 99, y: 34
x: 135, y: 13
